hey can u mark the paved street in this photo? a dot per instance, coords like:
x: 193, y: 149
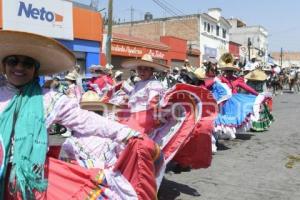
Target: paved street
x: 253, y: 168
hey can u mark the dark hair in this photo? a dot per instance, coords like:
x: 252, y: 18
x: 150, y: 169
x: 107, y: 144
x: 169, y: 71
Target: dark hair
x: 192, y: 79
x: 211, y: 67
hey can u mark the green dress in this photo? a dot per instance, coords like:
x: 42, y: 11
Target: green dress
x: 265, y: 116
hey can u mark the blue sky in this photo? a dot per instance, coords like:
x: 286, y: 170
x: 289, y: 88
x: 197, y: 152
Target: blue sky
x: 280, y: 17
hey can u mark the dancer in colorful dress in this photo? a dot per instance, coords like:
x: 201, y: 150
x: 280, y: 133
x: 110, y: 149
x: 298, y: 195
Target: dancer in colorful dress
x: 179, y: 119
x: 27, y: 111
x: 220, y: 92
x: 143, y: 98
x: 257, y: 80
x: 236, y: 111
x: 102, y: 81
x: 73, y: 91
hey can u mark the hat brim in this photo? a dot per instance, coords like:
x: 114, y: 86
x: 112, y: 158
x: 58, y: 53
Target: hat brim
x: 99, y: 69
x: 70, y: 78
x: 98, y: 106
x: 52, y: 56
x: 256, y: 76
x: 229, y: 68
x: 201, y: 77
x: 134, y: 63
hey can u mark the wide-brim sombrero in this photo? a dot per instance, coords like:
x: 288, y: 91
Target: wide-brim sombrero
x: 92, y: 102
x: 228, y: 67
x: 145, y: 61
x: 256, y: 75
x: 52, y: 56
x: 98, y: 106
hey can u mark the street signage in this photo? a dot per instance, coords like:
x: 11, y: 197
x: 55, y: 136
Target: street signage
x: 49, y: 18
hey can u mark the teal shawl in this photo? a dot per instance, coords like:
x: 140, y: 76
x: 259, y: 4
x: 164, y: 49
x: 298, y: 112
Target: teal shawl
x: 23, y: 120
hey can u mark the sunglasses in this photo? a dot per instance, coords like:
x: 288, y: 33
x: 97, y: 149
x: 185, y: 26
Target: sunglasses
x: 26, y: 62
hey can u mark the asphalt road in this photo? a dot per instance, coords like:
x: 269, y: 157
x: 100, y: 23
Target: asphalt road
x: 262, y: 166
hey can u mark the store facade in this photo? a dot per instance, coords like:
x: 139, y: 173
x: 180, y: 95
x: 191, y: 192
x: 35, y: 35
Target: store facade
x: 78, y: 28
x: 170, y: 51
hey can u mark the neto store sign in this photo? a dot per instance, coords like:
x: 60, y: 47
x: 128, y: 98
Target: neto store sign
x: 50, y: 18
x: 131, y: 51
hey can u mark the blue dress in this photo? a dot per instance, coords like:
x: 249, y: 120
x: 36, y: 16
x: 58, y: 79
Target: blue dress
x: 235, y: 109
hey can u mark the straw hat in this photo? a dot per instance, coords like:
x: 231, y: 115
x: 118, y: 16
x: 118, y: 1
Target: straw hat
x: 118, y: 73
x: 98, y: 69
x: 145, y: 61
x: 91, y: 101
x: 200, y: 73
x: 40, y: 48
x: 71, y: 76
x: 256, y: 75
x: 226, y: 62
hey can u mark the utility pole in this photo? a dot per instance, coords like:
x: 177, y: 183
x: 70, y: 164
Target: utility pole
x: 109, y: 31
x: 281, y: 55
x: 131, y: 20
x: 249, y: 45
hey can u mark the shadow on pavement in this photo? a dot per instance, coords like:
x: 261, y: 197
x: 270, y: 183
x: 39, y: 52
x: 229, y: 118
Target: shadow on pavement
x: 221, y: 146
x: 244, y: 136
x: 169, y: 190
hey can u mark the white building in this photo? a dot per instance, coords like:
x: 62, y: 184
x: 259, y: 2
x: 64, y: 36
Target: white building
x: 207, y: 32
x: 254, y: 36
x: 214, y: 34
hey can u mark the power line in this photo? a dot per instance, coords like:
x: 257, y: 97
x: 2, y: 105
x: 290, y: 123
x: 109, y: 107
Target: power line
x: 166, y: 6
x: 170, y: 5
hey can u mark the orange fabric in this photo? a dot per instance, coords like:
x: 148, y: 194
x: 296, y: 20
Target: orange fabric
x: 138, y: 168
